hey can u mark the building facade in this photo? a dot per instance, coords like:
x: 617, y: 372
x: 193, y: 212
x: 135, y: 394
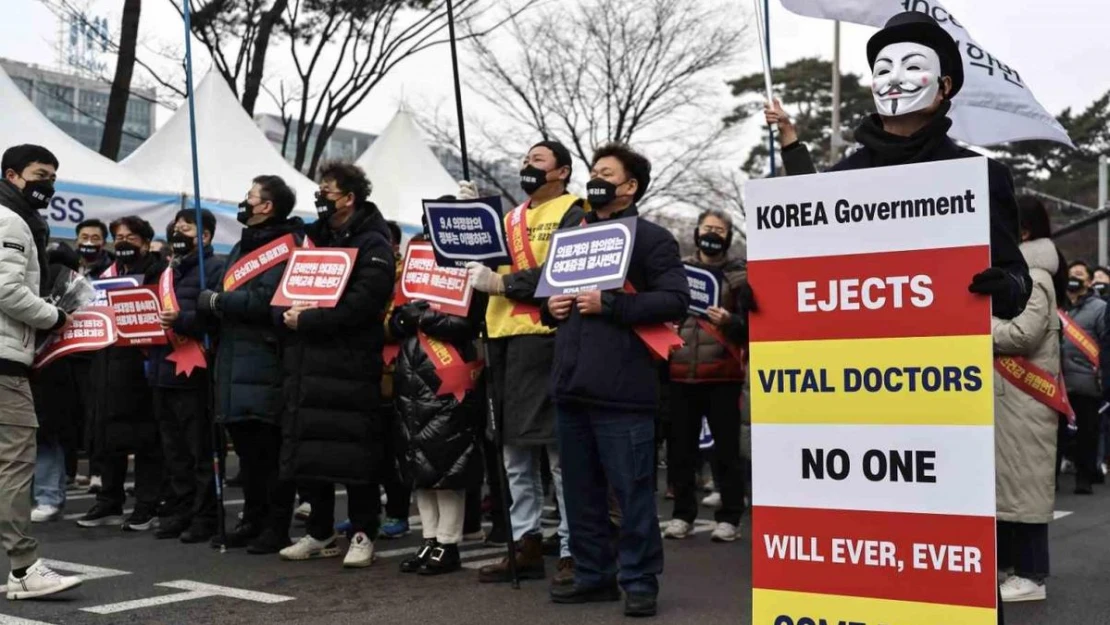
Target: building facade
x: 78, y: 105
x: 344, y: 144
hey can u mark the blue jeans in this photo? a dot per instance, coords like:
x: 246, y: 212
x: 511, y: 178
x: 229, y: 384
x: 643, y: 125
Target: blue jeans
x: 522, y: 468
x: 50, y: 475
x: 602, y: 449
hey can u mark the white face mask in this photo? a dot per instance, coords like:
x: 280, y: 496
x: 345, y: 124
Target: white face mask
x: 906, y: 78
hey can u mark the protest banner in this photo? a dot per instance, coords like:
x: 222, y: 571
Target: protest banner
x: 89, y: 329
x: 103, y: 285
x: 317, y: 275
x: 446, y: 289
x: 593, y: 257
x: 872, y: 397
x: 137, y: 317
x: 705, y: 290
x: 465, y: 231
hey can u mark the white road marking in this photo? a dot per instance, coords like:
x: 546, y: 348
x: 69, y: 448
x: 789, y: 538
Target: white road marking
x: 1059, y: 514
x: 112, y: 608
x: 474, y: 566
x: 193, y: 590
x: 15, y: 620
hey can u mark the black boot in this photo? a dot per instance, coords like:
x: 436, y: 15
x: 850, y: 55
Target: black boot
x: 583, y: 594
x: 198, y: 532
x: 639, y: 604
x: 171, y: 528
x: 444, y: 559
x: 413, y: 564
x: 269, y: 542
x: 240, y: 537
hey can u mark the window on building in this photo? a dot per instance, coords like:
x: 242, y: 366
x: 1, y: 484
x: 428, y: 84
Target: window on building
x: 57, y: 101
x: 93, y: 107
x: 137, y: 120
x: 26, y: 86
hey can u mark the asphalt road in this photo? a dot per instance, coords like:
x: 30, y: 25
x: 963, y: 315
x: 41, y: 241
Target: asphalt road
x: 704, y: 583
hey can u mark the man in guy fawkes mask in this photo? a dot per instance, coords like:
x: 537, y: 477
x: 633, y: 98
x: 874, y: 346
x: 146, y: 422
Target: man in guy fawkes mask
x: 917, y: 70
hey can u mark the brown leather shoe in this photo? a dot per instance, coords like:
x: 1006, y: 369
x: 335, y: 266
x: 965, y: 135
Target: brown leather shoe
x: 564, y: 573
x: 529, y: 563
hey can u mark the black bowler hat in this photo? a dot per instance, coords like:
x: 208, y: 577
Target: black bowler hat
x: 915, y: 27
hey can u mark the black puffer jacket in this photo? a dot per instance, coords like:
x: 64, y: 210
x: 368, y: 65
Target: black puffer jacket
x: 186, y: 286
x: 332, y: 423
x: 439, y: 434
x: 57, y: 401
x: 122, y: 405
x: 248, y: 359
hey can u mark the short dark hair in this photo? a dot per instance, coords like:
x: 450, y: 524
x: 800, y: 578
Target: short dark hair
x: 275, y: 190
x: 135, y: 224
x: 189, y: 216
x: 1033, y: 217
x: 562, y: 156
x: 394, y: 232
x: 1081, y: 263
x: 637, y: 165
x: 350, y: 178
x: 93, y: 223
x: 1105, y: 270
x: 18, y: 157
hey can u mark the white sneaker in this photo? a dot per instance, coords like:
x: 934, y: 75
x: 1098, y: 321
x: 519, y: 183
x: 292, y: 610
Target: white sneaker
x: 725, y: 533
x: 39, y: 581
x: 677, y: 528
x: 361, y: 552
x: 308, y: 548
x: 303, y: 511
x: 713, y: 500
x: 1017, y: 589
x: 42, y: 514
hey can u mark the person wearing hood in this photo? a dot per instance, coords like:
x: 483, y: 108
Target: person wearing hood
x: 917, y: 70
x: 29, y: 172
x: 332, y: 425
x: 248, y: 374
x: 181, y: 403
x: 604, y: 382
x: 1025, y: 427
x: 707, y: 377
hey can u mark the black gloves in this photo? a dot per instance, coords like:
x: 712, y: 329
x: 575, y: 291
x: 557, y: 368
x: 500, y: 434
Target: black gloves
x: 406, y: 319
x: 208, y: 302
x: 1008, y: 292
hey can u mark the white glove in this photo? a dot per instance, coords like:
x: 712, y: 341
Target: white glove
x: 484, y: 279
x: 467, y: 190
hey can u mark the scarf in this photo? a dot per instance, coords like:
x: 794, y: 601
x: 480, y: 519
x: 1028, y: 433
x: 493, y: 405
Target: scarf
x: 887, y: 149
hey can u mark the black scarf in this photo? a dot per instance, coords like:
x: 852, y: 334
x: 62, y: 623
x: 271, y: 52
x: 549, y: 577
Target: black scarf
x: 887, y: 149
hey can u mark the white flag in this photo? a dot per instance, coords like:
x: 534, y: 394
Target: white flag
x: 994, y: 106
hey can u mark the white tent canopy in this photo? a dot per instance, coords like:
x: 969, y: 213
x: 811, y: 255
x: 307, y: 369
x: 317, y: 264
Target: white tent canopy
x: 231, y: 151
x: 404, y: 171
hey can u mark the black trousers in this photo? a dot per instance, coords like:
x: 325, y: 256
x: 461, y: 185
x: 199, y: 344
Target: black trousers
x: 720, y: 404
x: 1086, y: 436
x: 186, y: 428
x: 268, y: 500
x: 1023, y: 547
x: 148, y: 479
x: 398, y: 493
x: 364, y: 504
x: 82, y: 370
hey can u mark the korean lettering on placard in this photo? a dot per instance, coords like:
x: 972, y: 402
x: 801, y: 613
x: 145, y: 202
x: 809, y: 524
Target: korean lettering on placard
x: 462, y: 230
x: 596, y: 254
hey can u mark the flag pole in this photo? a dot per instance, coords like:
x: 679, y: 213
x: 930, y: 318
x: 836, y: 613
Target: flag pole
x: 198, y: 220
x: 834, y: 142
x: 458, y: 89
x: 763, y: 31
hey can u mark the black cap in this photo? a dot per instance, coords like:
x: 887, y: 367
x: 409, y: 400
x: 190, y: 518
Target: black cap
x: 915, y: 27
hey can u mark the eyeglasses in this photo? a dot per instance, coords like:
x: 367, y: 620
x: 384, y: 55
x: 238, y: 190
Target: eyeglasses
x: 714, y: 229
x: 130, y: 238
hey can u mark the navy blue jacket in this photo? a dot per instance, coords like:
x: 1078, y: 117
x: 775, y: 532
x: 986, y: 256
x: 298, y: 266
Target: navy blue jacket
x: 186, y: 286
x: 599, y: 359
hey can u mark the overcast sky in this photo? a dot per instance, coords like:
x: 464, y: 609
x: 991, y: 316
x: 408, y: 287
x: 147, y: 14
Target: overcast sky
x: 1060, y: 47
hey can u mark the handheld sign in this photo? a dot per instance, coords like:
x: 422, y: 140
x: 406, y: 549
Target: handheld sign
x: 316, y: 275
x: 705, y: 290
x: 89, y: 329
x: 465, y: 231
x: 593, y: 257
x: 137, y: 316
x: 446, y: 289
x: 104, y: 285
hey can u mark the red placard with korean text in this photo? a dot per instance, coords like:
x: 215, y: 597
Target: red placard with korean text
x: 89, y: 329
x: 446, y: 289
x: 137, y: 316
x: 316, y: 276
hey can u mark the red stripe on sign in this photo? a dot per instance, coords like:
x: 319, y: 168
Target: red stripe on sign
x: 887, y: 295
x: 943, y: 559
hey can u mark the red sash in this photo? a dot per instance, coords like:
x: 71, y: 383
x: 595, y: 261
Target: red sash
x: 187, y: 353
x: 1036, y: 382
x: 456, y: 376
x: 520, y: 252
x: 660, y: 338
x: 259, y: 262
x: 110, y: 272
x: 736, y: 352
x: 1079, y: 338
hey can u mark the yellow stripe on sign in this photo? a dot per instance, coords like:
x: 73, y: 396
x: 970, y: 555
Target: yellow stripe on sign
x: 912, y: 381
x: 777, y: 607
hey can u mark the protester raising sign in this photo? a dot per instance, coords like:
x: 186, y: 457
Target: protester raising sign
x: 89, y: 329
x: 316, y: 276
x: 593, y: 257
x: 465, y: 231
x: 446, y: 289
x: 137, y: 316
x: 104, y: 285
x: 705, y: 290
x: 994, y: 106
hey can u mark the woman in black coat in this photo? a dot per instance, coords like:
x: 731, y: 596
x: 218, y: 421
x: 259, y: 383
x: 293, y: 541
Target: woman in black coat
x: 440, y: 435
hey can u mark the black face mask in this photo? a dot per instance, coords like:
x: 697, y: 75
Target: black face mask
x: 532, y: 178
x: 601, y: 192
x: 1100, y: 288
x: 38, y: 193
x: 182, y: 244
x: 1074, y: 285
x: 126, y: 253
x: 711, y: 243
x: 88, y: 252
x: 246, y: 211
x: 325, y: 208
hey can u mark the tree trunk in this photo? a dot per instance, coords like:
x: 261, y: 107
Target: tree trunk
x: 121, y: 84
x: 258, y: 60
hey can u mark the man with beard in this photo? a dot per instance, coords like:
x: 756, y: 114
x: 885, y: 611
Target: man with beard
x: 521, y: 349
x: 248, y: 360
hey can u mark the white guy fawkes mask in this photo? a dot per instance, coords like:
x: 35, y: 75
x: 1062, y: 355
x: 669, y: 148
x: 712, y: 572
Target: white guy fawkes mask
x: 905, y: 79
